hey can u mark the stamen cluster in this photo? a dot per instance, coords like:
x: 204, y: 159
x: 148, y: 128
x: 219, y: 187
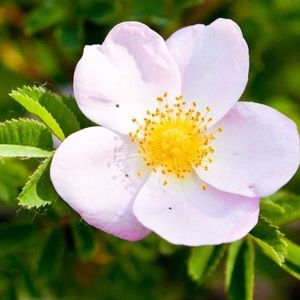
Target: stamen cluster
x: 174, y: 138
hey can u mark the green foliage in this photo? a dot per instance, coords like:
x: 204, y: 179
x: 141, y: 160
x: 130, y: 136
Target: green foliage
x: 292, y: 262
x: 12, y: 234
x: 85, y: 240
x: 13, y: 176
x: 41, y: 41
x: 38, y: 191
x: 281, y: 208
x: 22, y: 151
x: 24, y: 138
x: 270, y: 240
x: 36, y: 20
x: 73, y: 107
x: 34, y: 107
x: 203, y: 261
x: 52, y: 253
x: 239, y: 280
x: 49, y: 108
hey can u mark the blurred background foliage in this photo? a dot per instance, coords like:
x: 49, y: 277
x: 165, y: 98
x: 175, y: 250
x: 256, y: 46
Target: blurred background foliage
x: 51, y: 253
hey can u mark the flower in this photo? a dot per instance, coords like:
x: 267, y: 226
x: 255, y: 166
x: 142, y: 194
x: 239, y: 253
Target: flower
x: 177, y: 154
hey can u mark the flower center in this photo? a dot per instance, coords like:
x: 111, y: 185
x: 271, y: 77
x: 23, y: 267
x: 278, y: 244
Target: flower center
x: 173, y: 139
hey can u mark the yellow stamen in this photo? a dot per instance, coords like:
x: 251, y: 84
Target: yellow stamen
x: 173, y: 138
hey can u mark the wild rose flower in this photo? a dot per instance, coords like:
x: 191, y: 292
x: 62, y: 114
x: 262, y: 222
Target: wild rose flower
x: 177, y: 154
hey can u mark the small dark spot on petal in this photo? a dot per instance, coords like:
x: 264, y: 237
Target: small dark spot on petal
x: 117, y: 105
x: 126, y: 175
x: 170, y: 208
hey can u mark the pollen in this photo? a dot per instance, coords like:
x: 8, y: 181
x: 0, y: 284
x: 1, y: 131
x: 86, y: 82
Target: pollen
x: 174, y: 138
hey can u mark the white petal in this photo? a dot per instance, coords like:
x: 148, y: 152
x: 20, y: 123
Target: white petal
x: 214, y: 64
x: 257, y: 152
x: 121, y: 79
x: 95, y: 172
x: 183, y: 214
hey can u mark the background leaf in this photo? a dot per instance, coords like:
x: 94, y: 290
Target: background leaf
x: 203, y: 261
x: 240, y: 270
x: 85, y: 240
x: 52, y: 253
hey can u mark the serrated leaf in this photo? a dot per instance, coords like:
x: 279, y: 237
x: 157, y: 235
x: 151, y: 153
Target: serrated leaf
x: 49, y: 108
x: 38, y: 191
x: 239, y: 272
x: 38, y: 110
x: 292, y: 260
x: 24, y: 138
x: 270, y: 240
x: 281, y: 208
x: 203, y: 261
x: 71, y: 103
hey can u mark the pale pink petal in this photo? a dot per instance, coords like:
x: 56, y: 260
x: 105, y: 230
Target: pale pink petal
x: 121, y: 79
x: 214, y: 64
x: 95, y: 171
x: 257, y: 152
x: 183, y: 214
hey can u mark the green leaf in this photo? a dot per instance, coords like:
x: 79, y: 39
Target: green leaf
x: 203, y: 261
x: 239, y: 281
x: 281, y: 208
x: 13, y: 176
x: 15, y: 235
x: 270, y: 240
x: 166, y: 248
x: 46, y: 15
x: 5, y: 192
x: 292, y: 260
x: 230, y: 261
x: 38, y: 191
x: 14, y: 172
x: 24, y: 138
x: 85, y: 240
x: 22, y: 151
x: 71, y: 103
x: 51, y: 256
x: 49, y: 108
